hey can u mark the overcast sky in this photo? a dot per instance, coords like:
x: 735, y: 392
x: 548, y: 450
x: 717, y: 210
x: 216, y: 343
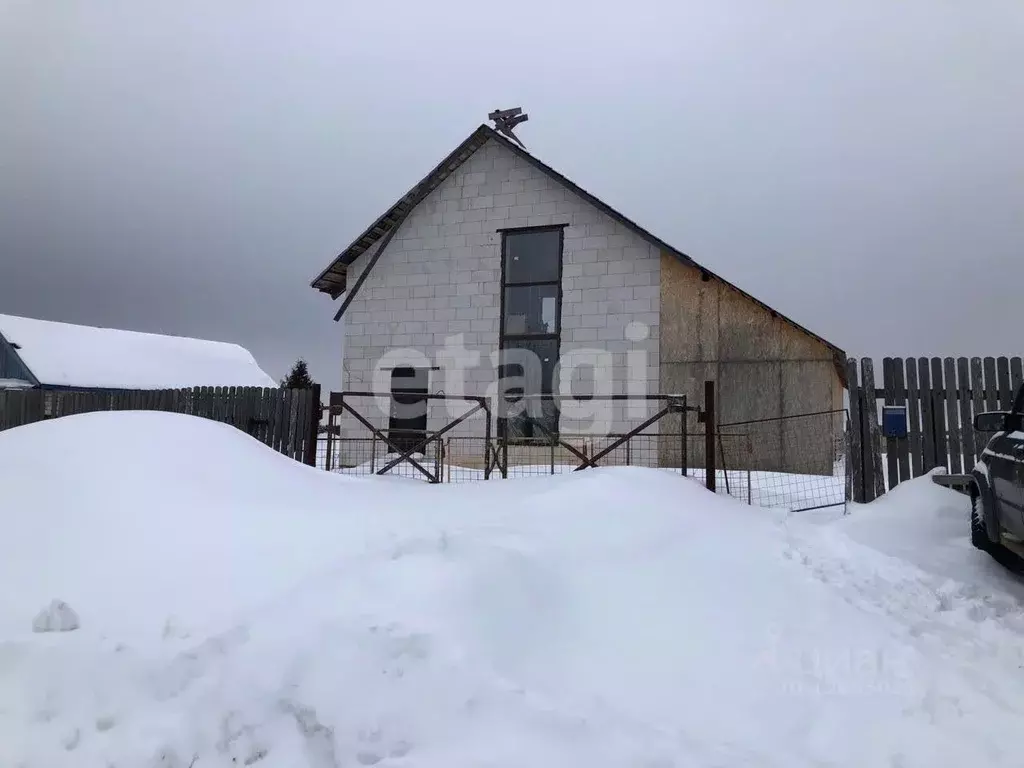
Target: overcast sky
x: 188, y: 167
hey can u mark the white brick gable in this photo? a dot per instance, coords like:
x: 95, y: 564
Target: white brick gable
x: 440, y: 276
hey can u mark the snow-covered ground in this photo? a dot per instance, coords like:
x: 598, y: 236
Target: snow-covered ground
x: 238, y: 608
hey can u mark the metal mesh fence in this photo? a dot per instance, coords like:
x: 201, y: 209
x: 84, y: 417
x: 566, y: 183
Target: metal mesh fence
x: 529, y: 457
x: 367, y: 455
x: 792, y: 462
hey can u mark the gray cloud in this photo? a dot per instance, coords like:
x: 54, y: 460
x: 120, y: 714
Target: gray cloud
x: 188, y: 167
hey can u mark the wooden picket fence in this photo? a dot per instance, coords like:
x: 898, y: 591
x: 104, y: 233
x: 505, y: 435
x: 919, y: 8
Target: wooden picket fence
x: 287, y: 420
x: 942, y: 397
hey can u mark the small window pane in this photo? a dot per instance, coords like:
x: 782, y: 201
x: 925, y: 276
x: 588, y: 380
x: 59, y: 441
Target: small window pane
x: 531, y: 310
x: 532, y: 257
x: 541, y: 425
x: 528, y: 365
x: 528, y: 368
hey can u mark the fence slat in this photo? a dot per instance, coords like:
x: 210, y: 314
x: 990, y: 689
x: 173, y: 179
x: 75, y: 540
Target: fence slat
x: 206, y: 403
x: 966, y: 416
x: 211, y: 404
x: 900, y: 399
x: 282, y: 398
x: 240, y: 413
x: 874, y: 433
x: 287, y: 398
x: 245, y: 410
x: 309, y: 423
x: 303, y: 415
x: 1003, y: 376
x: 977, y: 400
x: 311, y: 429
x: 953, y: 441
x: 296, y: 405
x: 271, y: 405
x: 230, y: 405
x: 991, y: 387
x: 914, y: 417
x: 264, y: 406
x: 939, y: 415
x: 889, y: 385
x: 255, y: 396
x: 300, y: 407
x: 924, y: 382
x: 294, y: 443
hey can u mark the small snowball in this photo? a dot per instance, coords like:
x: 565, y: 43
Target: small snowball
x: 57, y: 617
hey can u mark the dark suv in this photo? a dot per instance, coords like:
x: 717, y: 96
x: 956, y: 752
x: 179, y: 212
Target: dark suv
x: 997, y: 489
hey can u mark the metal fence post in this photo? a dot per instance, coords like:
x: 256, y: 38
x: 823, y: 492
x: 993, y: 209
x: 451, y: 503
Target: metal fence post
x: 709, y: 435
x: 487, y: 440
x: 684, y: 447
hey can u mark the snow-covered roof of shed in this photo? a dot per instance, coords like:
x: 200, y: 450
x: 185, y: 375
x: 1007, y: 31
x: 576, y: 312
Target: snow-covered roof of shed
x: 65, y: 355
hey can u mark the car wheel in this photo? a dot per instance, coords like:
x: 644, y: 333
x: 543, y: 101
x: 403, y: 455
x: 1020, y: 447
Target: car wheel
x: 979, y: 536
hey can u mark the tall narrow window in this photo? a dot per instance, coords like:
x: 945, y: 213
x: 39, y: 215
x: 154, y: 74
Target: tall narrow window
x: 531, y: 308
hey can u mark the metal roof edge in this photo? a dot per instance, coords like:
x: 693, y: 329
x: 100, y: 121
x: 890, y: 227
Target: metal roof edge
x: 393, y: 216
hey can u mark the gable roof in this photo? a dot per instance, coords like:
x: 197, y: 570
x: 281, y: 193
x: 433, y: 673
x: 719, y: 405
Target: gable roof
x: 333, y: 280
x: 66, y: 355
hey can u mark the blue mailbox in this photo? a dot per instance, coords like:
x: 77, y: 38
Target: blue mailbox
x: 894, y: 421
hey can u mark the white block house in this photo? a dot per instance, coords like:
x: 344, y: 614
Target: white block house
x: 494, y: 251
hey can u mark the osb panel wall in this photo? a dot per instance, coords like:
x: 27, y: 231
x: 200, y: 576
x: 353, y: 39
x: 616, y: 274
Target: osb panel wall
x: 764, y: 367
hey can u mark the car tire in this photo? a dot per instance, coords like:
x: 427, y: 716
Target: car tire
x: 980, y: 539
x: 979, y: 535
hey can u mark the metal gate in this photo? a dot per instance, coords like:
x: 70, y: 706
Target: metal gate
x: 406, y: 449
x: 579, y: 451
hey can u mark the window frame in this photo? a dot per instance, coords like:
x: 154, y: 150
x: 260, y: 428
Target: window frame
x: 504, y: 337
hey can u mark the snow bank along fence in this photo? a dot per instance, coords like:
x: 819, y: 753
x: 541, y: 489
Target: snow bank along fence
x: 796, y: 461
x: 287, y: 420
x: 922, y: 417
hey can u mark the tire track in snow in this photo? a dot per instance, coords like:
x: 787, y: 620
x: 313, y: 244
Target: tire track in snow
x: 978, y: 636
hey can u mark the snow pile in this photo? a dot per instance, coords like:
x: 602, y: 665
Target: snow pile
x: 58, y: 616
x: 62, y: 354
x: 240, y: 608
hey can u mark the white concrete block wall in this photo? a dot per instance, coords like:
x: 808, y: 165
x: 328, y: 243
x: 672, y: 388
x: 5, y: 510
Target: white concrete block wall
x: 440, y: 277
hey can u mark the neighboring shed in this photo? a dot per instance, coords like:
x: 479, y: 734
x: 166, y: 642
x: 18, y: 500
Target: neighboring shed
x: 54, y: 355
